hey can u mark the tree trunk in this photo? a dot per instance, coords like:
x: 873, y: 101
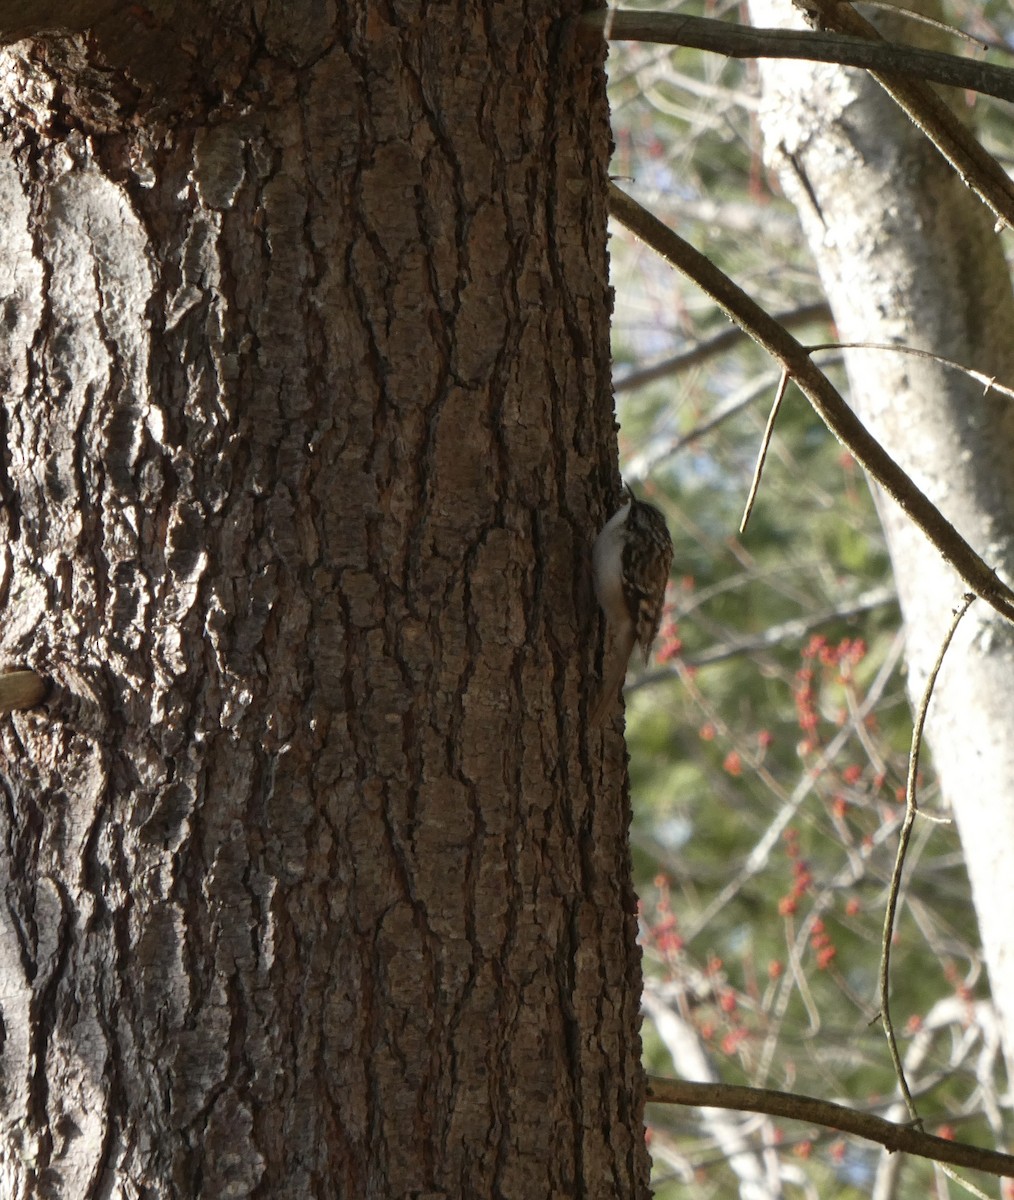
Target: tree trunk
x: 907, y: 254
x: 314, y: 885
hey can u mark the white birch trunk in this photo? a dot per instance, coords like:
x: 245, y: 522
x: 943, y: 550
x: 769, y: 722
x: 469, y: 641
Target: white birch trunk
x: 907, y: 254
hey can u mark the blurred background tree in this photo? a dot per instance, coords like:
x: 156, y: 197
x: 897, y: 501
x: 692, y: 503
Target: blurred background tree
x: 769, y: 741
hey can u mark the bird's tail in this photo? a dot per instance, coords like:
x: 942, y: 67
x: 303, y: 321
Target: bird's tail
x: 613, y: 673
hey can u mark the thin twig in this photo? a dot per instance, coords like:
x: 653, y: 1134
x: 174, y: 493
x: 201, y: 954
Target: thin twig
x: 760, y: 855
x: 988, y: 382
x: 762, y: 453
x: 911, y: 809
x: 824, y: 397
x: 792, y: 631
x: 963, y: 1183
x: 718, y: 344
x: 831, y: 1116
x: 920, y: 18
x: 816, y: 45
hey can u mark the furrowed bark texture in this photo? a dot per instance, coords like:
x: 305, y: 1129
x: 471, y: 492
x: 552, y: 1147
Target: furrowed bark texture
x: 906, y: 253
x: 313, y: 885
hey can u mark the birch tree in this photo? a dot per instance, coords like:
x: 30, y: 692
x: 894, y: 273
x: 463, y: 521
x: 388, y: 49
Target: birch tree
x: 908, y: 254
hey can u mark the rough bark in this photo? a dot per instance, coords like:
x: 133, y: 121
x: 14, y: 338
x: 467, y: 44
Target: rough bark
x: 314, y: 885
x: 907, y: 254
x: 26, y: 18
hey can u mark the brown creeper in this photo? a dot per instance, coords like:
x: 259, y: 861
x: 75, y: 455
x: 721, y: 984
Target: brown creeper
x: 630, y: 561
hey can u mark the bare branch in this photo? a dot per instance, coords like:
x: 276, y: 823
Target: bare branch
x: 824, y: 397
x: 911, y: 808
x: 817, y: 45
x: 896, y: 10
x: 830, y: 1116
x: 689, y: 1054
x: 713, y: 346
x: 762, y: 453
x: 791, y: 632
x: 989, y: 383
x: 975, y: 166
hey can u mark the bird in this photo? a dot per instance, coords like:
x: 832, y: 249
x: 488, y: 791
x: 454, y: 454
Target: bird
x: 630, y: 566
